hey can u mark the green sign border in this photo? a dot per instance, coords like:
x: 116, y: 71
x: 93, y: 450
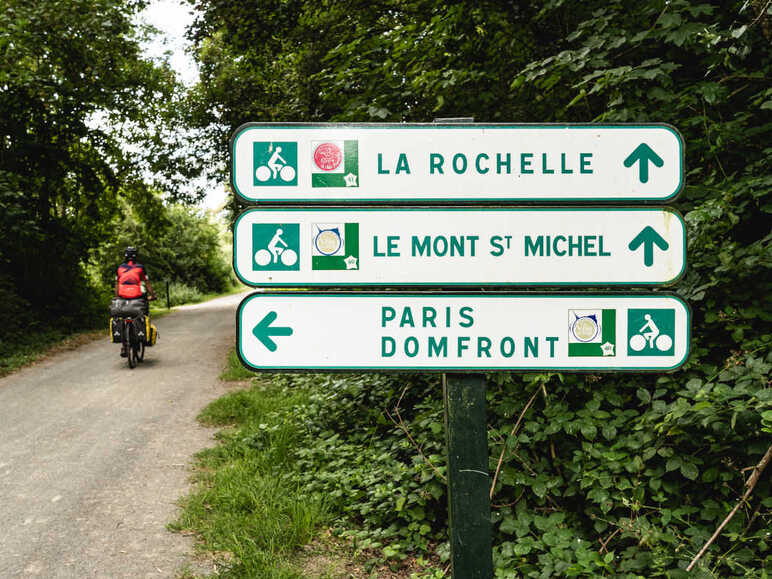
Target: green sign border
x: 454, y: 126
x: 459, y: 284
x: 581, y: 369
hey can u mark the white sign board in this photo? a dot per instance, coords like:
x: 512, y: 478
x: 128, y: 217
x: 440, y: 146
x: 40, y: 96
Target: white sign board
x: 367, y: 331
x: 401, y: 246
x: 435, y: 163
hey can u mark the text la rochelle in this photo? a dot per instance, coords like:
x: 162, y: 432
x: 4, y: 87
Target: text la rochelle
x: 525, y: 163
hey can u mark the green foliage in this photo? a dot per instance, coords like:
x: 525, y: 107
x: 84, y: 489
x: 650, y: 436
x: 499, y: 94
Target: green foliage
x: 247, y: 502
x: 176, y: 243
x: 234, y: 370
x: 353, y: 61
x: 83, y: 119
x: 324, y: 440
x: 703, y: 68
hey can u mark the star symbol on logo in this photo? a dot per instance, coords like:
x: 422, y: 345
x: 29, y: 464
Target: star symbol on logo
x: 351, y: 180
x: 608, y: 349
x: 351, y: 262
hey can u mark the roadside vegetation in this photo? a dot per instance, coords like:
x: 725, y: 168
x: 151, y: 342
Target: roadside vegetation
x: 180, y: 245
x: 309, y: 461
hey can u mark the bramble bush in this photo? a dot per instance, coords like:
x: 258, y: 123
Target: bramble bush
x: 605, y: 477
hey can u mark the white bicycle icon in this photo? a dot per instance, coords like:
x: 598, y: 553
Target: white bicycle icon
x: 649, y: 335
x: 275, y: 253
x: 276, y: 167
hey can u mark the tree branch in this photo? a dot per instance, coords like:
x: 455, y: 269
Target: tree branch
x: 401, y: 424
x: 511, y: 434
x: 758, y: 469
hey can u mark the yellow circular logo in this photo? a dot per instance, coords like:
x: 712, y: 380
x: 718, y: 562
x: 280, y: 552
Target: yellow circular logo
x: 585, y: 329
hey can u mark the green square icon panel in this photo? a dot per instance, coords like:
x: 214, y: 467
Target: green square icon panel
x: 650, y: 332
x: 274, y: 163
x: 275, y: 247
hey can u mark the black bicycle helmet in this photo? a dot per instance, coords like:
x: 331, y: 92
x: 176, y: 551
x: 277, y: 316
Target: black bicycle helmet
x: 130, y: 253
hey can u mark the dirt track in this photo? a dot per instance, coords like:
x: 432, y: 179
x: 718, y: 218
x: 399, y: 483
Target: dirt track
x: 94, y: 455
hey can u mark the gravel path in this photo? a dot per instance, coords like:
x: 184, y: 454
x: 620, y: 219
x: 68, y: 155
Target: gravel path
x: 94, y: 455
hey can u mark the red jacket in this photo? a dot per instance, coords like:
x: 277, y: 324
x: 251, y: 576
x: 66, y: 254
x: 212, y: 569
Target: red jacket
x: 130, y: 277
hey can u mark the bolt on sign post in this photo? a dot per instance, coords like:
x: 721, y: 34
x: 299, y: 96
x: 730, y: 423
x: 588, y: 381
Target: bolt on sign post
x: 457, y: 208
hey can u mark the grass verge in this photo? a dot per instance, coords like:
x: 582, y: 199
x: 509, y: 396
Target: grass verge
x: 303, y: 484
x: 37, y: 346
x: 245, y: 508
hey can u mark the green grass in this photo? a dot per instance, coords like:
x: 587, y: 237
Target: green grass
x: 181, y: 294
x: 234, y: 370
x: 245, y: 501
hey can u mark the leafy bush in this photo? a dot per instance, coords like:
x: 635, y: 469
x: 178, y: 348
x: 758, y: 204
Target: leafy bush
x: 605, y: 477
x: 179, y: 294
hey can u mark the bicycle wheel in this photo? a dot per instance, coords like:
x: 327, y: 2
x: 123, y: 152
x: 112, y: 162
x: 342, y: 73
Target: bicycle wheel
x: 141, y: 352
x: 129, y: 339
x: 263, y: 257
x: 263, y: 173
x: 135, y: 351
x: 287, y: 173
x: 289, y: 257
x: 141, y: 343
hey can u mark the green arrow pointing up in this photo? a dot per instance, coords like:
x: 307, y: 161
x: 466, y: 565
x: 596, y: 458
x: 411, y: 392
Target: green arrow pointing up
x: 643, y: 154
x: 648, y: 237
x: 263, y: 330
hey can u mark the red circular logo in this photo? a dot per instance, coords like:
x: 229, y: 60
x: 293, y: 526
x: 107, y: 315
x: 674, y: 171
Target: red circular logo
x: 328, y: 156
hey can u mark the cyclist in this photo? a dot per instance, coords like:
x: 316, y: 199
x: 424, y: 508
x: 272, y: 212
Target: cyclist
x: 132, y: 282
x: 276, y: 162
x: 273, y: 245
x: 653, y: 330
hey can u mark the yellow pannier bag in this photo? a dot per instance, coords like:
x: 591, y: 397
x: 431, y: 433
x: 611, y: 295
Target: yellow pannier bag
x: 151, y: 332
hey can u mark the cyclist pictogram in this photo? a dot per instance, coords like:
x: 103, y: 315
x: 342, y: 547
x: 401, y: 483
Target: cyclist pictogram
x: 277, y: 250
x: 275, y: 246
x: 275, y: 163
x: 650, y: 332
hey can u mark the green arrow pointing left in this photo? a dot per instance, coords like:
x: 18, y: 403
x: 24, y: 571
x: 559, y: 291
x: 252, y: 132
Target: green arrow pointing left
x: 263, y: 331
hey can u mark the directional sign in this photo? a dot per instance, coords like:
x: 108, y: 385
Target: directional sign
x: 342, y: 331
x: 405, y: 246
x: 452, y: 163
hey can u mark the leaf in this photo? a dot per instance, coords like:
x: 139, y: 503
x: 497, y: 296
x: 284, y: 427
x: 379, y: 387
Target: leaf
x: 539, y: 488
x: 689, y: 470
x: 508, y: 525
x: 589, y: 431
x: 673, y: 463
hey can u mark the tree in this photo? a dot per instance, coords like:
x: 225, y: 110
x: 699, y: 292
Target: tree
x: 82, y: 119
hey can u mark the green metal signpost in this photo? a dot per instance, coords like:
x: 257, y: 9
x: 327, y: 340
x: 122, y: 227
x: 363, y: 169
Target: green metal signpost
x: 469, y: 506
